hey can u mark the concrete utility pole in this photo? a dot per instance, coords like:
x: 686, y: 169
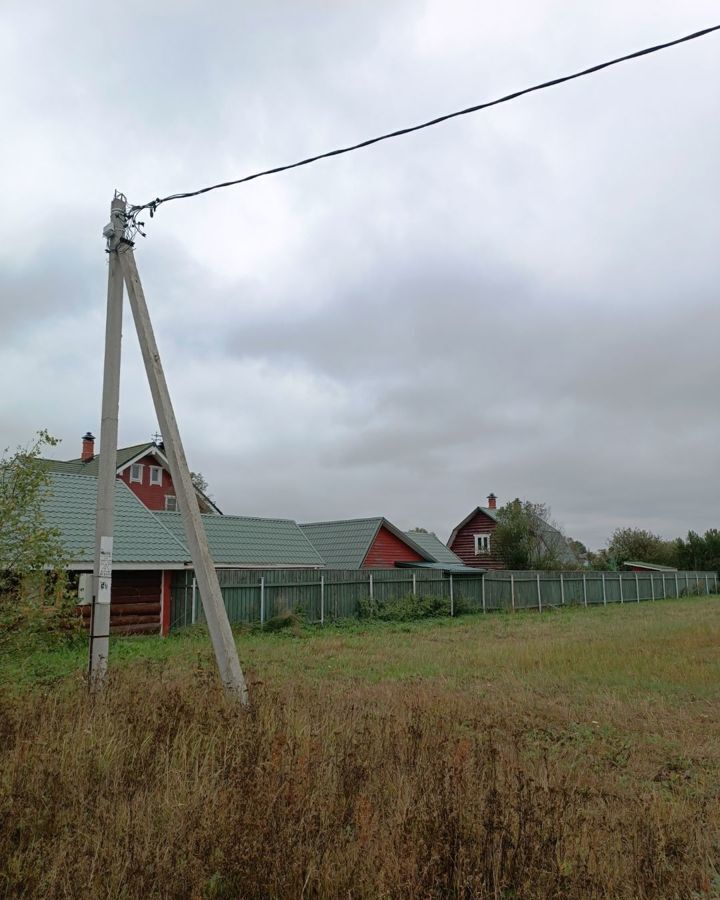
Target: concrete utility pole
x: 102, y: 568
x: 215, y: 613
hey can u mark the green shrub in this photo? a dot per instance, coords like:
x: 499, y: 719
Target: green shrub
x: 40, y: 611
x: 286, y: 619
x: 403, y: 609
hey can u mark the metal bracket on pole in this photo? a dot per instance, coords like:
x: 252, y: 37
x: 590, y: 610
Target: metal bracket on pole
x: 215, y: 614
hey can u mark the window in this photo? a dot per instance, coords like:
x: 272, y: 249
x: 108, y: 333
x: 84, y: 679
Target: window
x: 155, y: 475
x: 170, y: 502
x: 136, y: 472
x: 482, y: 544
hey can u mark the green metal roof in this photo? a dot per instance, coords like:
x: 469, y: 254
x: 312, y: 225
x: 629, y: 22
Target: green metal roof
x: 449, y: 568
x: 251, y: 542
x: 345, y: 543
x: 654, y: 567
x: 140, y: 539
x: 79, y: 467
x: 431, y: 543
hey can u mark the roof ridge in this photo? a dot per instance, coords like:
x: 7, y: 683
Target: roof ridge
x: 176, y: 512
x: 76, y: 459
x: 343, y: 521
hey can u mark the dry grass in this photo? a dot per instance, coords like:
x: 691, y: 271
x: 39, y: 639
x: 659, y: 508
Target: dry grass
x: 424, y: 784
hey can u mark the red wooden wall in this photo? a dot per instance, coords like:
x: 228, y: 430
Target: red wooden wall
x: 387, y: 549
x: 464, y: 543
x: 152, y: 495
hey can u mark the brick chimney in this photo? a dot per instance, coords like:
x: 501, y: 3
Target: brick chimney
x: 492, y: 501
x: 88, y: 447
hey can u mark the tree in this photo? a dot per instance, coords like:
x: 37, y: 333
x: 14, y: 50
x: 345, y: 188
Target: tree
x: 418, y: 529
x: 28, y: 545
x: 699, y: 553
x: 199, y: 482
x: 640, y: 545
x: 523, y: 539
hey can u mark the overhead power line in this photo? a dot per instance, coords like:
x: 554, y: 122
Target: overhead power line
x: 152, y: 205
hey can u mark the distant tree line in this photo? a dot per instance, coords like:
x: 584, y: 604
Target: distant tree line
x: 694, y: 553
x: 525, y: 538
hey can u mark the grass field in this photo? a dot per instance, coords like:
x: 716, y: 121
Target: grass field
x: 574, y: 754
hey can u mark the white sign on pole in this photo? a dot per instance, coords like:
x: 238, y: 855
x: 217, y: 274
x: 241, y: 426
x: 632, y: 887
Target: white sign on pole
x: 105, y: 572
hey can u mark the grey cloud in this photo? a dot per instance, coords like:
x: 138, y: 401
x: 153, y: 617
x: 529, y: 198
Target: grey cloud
x: 521, y: 302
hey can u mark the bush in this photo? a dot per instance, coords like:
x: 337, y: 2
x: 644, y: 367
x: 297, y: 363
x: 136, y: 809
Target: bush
x: 41, y: 611
x: 403, y: 609
x: 286, y: 619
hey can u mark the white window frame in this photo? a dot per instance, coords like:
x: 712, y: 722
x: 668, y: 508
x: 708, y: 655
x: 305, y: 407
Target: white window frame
x: 482, y: 544
x: 169, y: 507
x: 139, y: 479
x: 153, y: 471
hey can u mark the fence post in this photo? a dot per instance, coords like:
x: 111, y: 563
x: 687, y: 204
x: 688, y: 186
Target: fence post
x: 414, y: 585
x: 652, y: 586
x: 370, y: 582
x: 584, y: 589
x: 604, y: 591
x: 562, y: 590
x: 512, y: 592
x: 194, y: 601
x: 539, y: 592
x: 677, y: 587
x: 452, y: 597
x: 707, y: 585
x: 322, y: 599
x: 262, y: 599
x: 664, y: 596
x: 622, y: 598
x: 482, y: 588
x: 637, y: 587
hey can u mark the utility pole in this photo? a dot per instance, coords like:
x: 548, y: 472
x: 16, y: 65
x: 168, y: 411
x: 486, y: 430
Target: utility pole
x: 102, y: 567
x: 215, y: 614
x: 123, y: 269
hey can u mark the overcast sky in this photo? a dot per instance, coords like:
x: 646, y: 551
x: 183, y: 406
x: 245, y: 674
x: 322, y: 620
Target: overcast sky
x: 523, y: 301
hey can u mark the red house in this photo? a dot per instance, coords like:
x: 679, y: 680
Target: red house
x: 143, y: 467
x: 471, y: 540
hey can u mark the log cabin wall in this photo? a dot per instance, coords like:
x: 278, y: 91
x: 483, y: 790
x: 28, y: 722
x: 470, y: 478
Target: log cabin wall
x: 135, y: 603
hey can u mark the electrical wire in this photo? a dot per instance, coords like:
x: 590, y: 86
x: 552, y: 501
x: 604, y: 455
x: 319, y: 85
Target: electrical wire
x: 152, y: 205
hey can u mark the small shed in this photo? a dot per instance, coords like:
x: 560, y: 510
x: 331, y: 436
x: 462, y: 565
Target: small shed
x: 634, y: 566
x: 364, y: 544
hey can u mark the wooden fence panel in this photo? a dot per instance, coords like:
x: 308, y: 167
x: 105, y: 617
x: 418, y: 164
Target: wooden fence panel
x: 254, y: 596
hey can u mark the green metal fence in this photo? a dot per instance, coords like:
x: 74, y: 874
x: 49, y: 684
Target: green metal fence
x: 256, y: 596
